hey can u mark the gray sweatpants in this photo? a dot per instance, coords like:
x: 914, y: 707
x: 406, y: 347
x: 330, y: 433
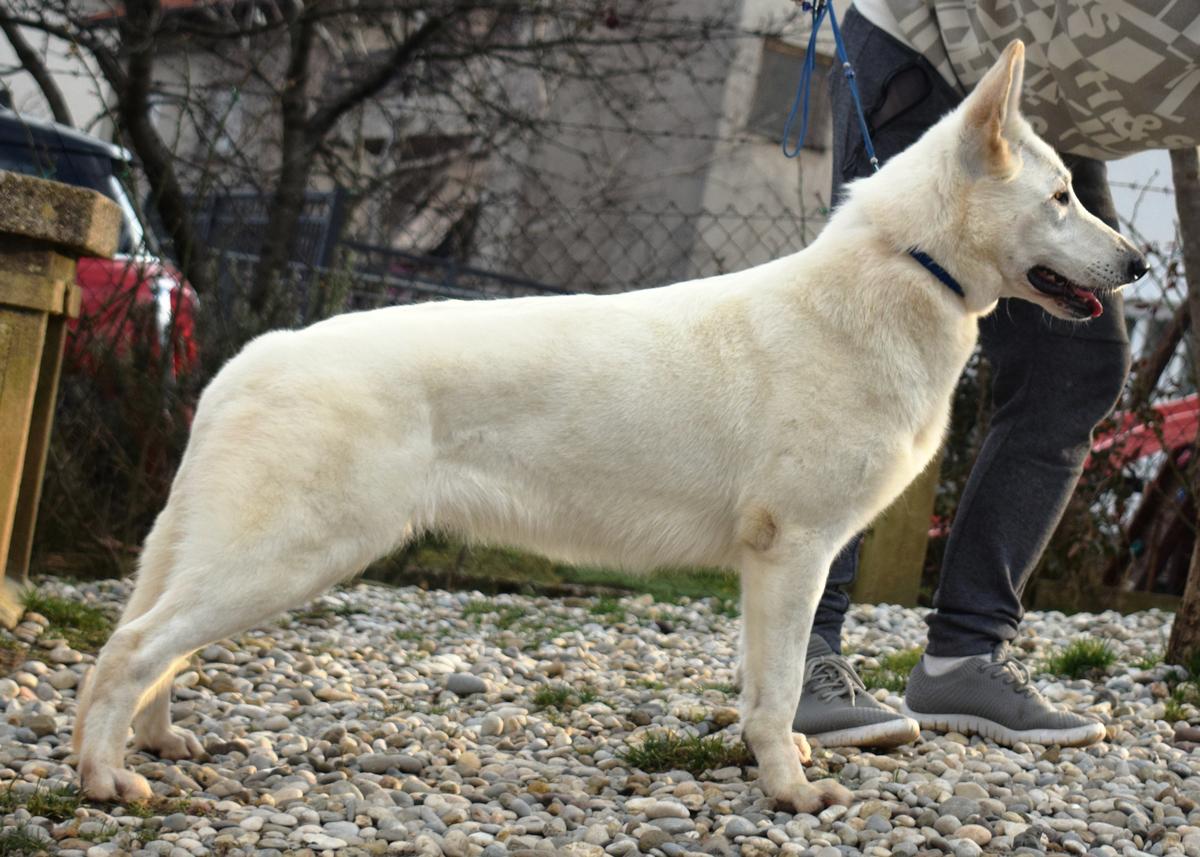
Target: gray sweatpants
x: 1052, y: 381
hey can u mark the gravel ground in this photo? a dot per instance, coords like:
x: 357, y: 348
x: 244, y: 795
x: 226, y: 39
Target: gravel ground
x: 400, y: 721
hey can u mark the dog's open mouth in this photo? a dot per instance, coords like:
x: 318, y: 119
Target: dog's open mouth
x: 1074, y: 298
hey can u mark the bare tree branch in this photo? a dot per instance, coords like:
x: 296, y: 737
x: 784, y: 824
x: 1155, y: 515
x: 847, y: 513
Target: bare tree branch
x: 133, y: 110
x: 374, y: 82
x: 37, y: 70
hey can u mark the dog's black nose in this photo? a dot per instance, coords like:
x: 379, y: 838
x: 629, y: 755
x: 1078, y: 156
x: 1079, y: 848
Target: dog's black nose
x: 1136, y: 268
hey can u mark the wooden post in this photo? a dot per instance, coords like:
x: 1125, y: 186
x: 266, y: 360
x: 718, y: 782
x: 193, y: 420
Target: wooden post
x: 44, y: 227
x: 1184, y: 644
x: 893, y: 552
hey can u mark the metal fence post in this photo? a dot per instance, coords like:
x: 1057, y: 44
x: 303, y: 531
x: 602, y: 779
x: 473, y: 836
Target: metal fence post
x: 332, y: 234
x: 44, y: 227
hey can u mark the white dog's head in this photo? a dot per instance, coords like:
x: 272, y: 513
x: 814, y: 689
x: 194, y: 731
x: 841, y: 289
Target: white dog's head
x: 992, y: 202
x: 1048, y: 248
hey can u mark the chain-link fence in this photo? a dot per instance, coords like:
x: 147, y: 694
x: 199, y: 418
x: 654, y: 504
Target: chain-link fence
x: 509, y: 246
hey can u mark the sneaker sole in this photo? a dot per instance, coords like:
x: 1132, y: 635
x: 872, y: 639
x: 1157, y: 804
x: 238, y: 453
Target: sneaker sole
x: 888, y: 733
x: 967, y: 724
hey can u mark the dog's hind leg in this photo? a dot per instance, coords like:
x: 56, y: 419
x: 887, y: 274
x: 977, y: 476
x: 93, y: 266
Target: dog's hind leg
x: 152, y: 729
x: 201, y: 603
x: 152, y: 726
x: 780, y: 588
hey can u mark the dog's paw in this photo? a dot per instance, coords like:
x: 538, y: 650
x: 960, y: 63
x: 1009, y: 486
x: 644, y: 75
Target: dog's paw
x: 114, y: 785
x: 833, y: 792
x: 812, y: 797
x: 800, y: 797
x: 175, y: 744
x: 803, y: 748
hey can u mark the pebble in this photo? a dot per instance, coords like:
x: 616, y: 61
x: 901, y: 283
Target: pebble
x: 465, y: 684
x: 976, y: 833
x: 973, y: 791
x: 402, y: 723
x: 63, y: 679
x: 965, y: 848
x: 175, y: 822
x: 658, y: 808
x: 738, y: 826
x: 381, y: 763
x: 493, y: 724
x: 653, y: 838
x: 40, y: 724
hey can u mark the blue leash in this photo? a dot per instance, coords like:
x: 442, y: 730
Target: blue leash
x: 819, y: 9
x: 800, y: 105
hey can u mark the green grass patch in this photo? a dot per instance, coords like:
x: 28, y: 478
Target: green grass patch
x: 563, y: 697
x: 893, y: 670
x: 1184, y: 699
x: 1150, y: 661
x: 57, y: 804
x: 667, y: 751
x: 479, y: 607
x: 722, y: 686
x: 540, y: 634
x: 104, y: 834
x: 446, y: 562
x: 1080, y: 657
x: 668, y: 585
x: 156, y: 806
x: 140, y: 809
x: 12, y: 655
x: 607, y: 606
x: 507, y: 615
x: 19, y: 842
x: 84, y: 626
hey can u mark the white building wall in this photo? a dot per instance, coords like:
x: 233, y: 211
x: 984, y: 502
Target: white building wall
x: 750, y: 172
x: 699, y: 194
x: 82, y: 87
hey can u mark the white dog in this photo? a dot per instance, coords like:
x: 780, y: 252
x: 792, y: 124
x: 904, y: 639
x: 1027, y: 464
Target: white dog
x: 755, y: 420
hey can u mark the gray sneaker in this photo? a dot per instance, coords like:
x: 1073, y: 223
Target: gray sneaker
x: 994, y: 698
x: 837, y: 711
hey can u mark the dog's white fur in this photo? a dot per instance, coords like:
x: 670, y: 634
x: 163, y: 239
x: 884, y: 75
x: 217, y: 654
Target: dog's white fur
x: 755, y: 420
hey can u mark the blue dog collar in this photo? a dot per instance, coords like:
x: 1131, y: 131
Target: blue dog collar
x: 938, y: 271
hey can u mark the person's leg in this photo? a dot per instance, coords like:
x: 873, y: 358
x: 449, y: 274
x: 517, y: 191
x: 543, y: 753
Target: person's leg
x: 835, y: 601
x: 1053, y: 381
x: 902, y: 97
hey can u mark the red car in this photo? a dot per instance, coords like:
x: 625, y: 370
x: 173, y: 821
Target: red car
x: 134, y: 305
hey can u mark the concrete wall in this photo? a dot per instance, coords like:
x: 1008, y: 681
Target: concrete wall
x: 699, y: 194
x: 581, y: 188
x: 748, y: 172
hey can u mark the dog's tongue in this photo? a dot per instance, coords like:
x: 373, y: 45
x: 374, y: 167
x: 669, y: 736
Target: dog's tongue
x: 1091, y: 300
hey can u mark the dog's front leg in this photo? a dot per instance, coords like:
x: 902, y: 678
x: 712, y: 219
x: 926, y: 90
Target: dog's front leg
x: 780, y: 588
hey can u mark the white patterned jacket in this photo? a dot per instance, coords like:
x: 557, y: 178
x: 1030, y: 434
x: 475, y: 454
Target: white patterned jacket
x: 1103, y: 78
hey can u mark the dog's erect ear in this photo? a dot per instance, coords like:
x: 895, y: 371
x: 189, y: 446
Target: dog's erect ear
x: 992, y: 109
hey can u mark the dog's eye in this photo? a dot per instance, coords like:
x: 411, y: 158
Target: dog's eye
x: 1062, y: 197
